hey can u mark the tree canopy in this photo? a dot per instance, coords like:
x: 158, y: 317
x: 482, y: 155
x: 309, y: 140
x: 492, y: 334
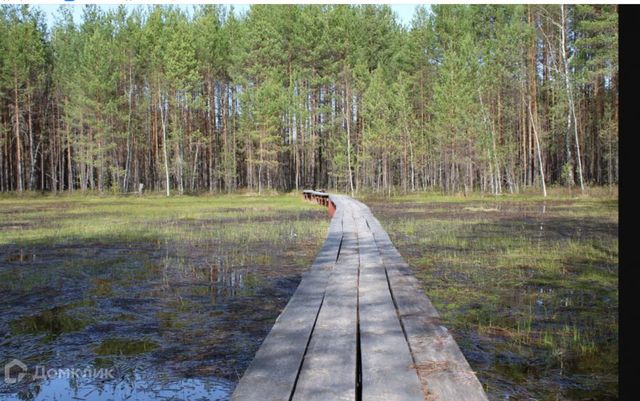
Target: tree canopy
x: 493, y: 98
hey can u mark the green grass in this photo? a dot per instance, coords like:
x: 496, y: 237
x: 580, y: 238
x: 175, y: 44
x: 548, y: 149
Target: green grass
x: 52, y: 322
x: 120, y: 346
x: 204, y: 275
x: 554, y: 193
x: 31, y: 221
x: 520, y: 279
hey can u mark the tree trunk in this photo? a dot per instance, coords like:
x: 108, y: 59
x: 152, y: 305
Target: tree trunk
x: 535, y: 134
x: 348, y: 117
x: 17, y: 133
x: 572, y: 111
x: 125, y: 180
x: 164, y: 141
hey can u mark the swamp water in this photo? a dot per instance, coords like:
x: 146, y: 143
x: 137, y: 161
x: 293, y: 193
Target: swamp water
x: 529, y: 290
x: 141, y: 321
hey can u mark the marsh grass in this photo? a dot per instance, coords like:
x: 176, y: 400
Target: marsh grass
x: 52, y: 322
x: 199, y: 279
x: 528, y: 287
x: 121, y: 346
x: 554, y: 193
x: 54, y: 221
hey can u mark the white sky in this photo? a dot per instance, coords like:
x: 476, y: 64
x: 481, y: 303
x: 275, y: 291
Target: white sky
x: 404, y: 11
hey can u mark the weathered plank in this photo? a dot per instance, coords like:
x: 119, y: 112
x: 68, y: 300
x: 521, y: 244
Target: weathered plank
x: 329, y: 368
x: 275, y: 367
x: 359, y: 316
x: 443, y: 369
x: 387, y: 366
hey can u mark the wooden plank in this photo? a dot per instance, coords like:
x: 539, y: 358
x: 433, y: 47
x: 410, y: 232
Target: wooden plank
x: 275, y: 367
x: 311, y: 352
x: 329, y: 368
x: 388, y: 372
x: 442, y: 368
x: 328, y: 253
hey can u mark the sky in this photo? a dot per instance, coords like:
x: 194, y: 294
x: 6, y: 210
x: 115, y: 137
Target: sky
x: 404, y: 11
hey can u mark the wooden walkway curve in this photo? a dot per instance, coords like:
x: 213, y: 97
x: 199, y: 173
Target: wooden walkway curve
x: 358, y: 327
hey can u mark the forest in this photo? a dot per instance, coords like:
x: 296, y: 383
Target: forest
x: 496, y: 99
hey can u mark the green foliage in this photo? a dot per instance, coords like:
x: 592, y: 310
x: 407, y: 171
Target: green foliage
x: 567, y: 175
x: 597, y: 41
x: 306, y: 95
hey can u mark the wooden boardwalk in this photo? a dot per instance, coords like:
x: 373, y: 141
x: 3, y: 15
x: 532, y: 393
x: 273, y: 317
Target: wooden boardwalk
x: 358, y: 327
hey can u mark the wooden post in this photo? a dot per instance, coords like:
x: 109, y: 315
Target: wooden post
x: 332, y: 208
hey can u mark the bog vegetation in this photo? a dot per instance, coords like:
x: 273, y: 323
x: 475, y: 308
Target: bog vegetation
x: 160, y: 289
x: 527, y: 287
x: 491, y: 98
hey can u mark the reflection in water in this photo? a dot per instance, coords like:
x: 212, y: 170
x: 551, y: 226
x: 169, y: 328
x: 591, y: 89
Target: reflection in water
x: 21, y: 255
x: 530, y: 292
x: 134, y: 388
x: 226, y: 281
x: 52, y: 322
x: 191, y: 323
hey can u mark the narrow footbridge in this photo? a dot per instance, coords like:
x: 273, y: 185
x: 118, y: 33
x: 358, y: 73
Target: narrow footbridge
x: 358, y: 327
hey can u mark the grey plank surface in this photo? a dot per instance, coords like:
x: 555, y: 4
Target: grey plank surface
x: 275, y: 367
x: 387, y: 366
x: 368, y: 297
x: 442, y: 368
x: 329, y: 368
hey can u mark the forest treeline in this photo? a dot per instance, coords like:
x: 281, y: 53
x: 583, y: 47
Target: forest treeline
x: 493, y: 98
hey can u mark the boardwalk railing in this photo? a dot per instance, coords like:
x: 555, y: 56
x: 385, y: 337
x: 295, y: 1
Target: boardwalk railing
x: 359, y: 327
x: 321, y: 198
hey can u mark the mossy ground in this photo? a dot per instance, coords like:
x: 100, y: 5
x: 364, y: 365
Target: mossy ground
x: 55, y: 220
x: 528, y: 287
x: 186, y: 286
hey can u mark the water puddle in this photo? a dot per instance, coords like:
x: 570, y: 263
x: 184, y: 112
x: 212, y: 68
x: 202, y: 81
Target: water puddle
x: 135, y: 387
x: 21, y: 255
x: 528, y: 290
x: 181, y: 322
